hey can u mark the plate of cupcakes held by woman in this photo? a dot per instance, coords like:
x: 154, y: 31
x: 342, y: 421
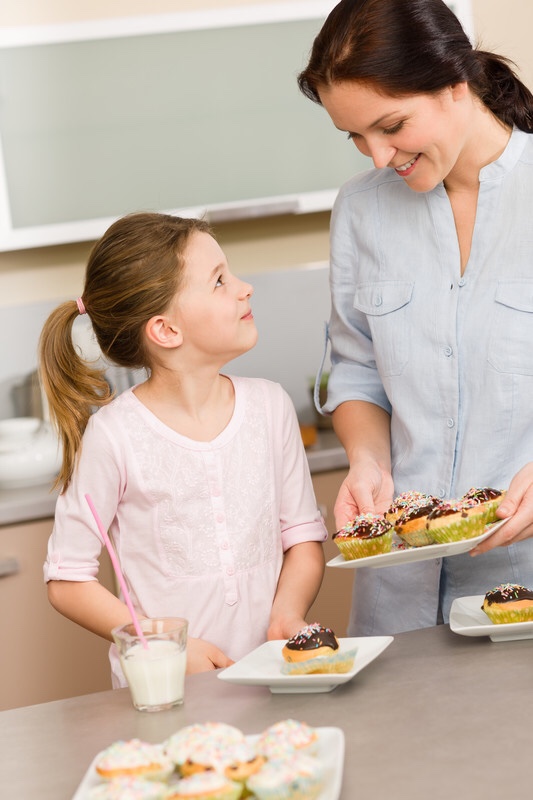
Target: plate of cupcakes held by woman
x: 313, y: 660
x: 417, y: 527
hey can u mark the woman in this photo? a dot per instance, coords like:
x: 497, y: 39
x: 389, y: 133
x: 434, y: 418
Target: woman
x: 432, y: 290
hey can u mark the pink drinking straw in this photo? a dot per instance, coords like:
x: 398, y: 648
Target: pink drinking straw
x: 116, y: 567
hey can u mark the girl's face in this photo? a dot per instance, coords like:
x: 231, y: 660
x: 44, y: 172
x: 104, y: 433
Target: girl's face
x: 213, y: 305
x: 420, y: 136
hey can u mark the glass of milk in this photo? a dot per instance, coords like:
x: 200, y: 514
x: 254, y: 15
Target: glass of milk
x: 154, y: 669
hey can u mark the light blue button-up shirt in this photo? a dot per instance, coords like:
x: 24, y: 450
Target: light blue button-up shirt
x: 450, y: 357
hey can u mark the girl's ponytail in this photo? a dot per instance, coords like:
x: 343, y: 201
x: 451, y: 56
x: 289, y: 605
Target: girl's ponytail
x: 133, y: 273
x: 74, y: 388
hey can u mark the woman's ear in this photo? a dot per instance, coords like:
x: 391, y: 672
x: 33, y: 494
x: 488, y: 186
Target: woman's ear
x: 163, y: 332
x: 459, y: 90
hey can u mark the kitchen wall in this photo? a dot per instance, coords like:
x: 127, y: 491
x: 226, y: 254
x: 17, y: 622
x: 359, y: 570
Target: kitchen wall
x: 252, y: 246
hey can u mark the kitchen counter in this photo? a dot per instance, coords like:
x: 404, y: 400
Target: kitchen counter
x: 37, y: 502
x: 25, y: 505
x: 435, y: 715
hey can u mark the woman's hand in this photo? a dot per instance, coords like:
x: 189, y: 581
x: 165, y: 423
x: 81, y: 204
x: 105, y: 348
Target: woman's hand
x: 203, y: 656
x: 367, y: 489
x: 517, y: 507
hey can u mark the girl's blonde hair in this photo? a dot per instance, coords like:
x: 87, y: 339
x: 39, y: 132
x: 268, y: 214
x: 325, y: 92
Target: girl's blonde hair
x: 133, y: 273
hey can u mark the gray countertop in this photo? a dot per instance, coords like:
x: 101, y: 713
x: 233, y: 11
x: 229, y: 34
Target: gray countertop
x: 38, y: 502
x: 436, y: 715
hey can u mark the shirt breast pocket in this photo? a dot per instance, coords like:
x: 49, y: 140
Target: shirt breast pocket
x: 386, y: 305
x: 511, y: 339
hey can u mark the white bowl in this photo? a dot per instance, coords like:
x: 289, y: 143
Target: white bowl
x: 30, y: 454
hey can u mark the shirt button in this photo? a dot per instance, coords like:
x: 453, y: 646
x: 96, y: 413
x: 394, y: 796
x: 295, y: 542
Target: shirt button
x: 441, y: 493
x: 216, y: 491
x: 230, y: 571
x: 448, y: 351
x: 378, y: 301
x: 225, y: 545
x: 461, y: 282
x: 450, y: 423
x: 220, y: 518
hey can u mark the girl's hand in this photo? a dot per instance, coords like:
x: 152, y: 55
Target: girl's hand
x: 203, y: 656
x: 367, y: 489
x: 517, y: 507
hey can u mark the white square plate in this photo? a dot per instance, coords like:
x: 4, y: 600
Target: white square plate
x: 262, y: 667
x: 400, y: 554
x: 330, y: 754
x: 468, y: 619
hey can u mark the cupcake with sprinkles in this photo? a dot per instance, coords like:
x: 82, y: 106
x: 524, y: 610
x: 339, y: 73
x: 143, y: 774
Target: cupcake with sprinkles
x: 405, y: 502
x: 411, y: 526
x: 293, y: 777
x: 129, y: 789
x: 134, y: 758
x: 509, y: 602
x: 314, y: 650
x: 488, y: 501
x: 455, y: 521
x: 366, y: 535
x: 287, y: 736
x: 205, y: 786
x: 205, y: 746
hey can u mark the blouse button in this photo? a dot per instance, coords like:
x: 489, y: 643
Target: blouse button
x: 230, y: 571
x: 450, y: 423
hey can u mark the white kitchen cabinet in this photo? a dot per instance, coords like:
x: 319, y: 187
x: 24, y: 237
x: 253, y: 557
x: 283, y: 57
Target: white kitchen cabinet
x: 332, y: 606
x: 43, y: 655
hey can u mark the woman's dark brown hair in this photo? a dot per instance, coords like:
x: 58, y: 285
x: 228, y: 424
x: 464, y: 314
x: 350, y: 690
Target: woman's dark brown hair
x: 133, y: 273
x: 408, y: 47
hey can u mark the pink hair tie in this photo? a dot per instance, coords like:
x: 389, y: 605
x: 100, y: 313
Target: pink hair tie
x: 81, y: 307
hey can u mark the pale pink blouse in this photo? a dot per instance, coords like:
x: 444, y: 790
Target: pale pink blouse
x: 200, y: 528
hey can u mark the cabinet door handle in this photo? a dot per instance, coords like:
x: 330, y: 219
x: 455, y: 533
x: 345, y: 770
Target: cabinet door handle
x: 9, y: 566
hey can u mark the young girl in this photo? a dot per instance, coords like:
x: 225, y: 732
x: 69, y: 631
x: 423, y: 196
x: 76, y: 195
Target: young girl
x: 201, y: 478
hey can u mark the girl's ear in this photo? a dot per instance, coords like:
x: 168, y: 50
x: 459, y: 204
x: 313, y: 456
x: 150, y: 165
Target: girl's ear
x: 163, y: 332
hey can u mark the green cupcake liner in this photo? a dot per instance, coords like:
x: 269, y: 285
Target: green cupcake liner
x: 501, y: 616
x: 419, y: 538
x: 457, y: 531
x: 362, y: 548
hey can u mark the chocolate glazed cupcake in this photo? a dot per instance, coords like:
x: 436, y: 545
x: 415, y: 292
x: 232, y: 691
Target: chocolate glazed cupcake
x: 455, y: 521
x: 315, y: 650
x: 509, y: 602
x: 488, y: 501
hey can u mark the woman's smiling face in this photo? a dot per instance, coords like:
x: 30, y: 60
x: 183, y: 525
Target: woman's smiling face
x: 420, y: 136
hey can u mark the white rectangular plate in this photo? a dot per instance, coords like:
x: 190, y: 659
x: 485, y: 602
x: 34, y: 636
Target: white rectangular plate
x: 468, y: 619
x: 407, y: 555
x: 330, y: 754
x: 262, y: 667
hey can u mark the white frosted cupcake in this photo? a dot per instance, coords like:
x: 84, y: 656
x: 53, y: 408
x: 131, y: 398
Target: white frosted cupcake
x: 203, y: 746
x: 286, y: 737
x: 134, y: 758
x: 129, y: 789
x: 295, y: 777
x: 209, y: 785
